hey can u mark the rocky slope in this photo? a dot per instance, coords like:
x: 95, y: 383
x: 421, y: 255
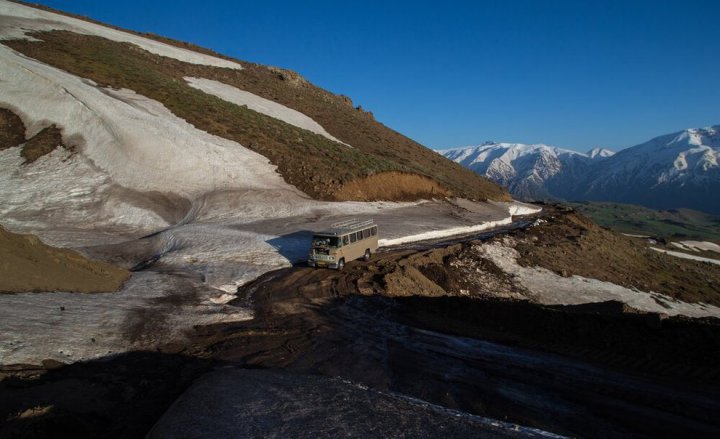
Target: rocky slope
x: 678, y: 170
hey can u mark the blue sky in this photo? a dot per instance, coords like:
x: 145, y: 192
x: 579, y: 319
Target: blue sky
x: 575, y: 74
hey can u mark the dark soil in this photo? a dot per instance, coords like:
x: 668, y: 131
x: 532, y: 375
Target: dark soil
x: 317, y: 322
x: 12, y: 133
x: 570, y: 244
x: 42, y: 143
x: 12, y: 129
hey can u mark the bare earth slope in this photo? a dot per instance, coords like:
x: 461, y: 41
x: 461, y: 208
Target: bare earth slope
x: 27, y: 264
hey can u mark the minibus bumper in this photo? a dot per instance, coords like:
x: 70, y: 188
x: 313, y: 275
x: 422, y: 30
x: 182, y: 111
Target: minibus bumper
x: 322, y: 264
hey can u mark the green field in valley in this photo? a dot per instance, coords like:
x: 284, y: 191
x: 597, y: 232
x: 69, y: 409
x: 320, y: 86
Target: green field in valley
x: 675, y: 224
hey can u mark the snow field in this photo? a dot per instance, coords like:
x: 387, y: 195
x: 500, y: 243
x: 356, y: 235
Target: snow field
x: 72, y: 327
x: 136, y: 140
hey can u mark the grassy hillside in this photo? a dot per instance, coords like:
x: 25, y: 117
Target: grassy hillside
x: 570, y: 244
x: 27, y: 264
x: 318, y: 166
x: 670, y: 224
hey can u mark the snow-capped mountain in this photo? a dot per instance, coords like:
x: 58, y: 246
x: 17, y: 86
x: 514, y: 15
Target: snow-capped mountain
x: 674, y: 170
x: 528, y: 171
x: 670, y: 171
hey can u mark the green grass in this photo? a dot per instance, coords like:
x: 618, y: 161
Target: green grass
x: 676, y: 224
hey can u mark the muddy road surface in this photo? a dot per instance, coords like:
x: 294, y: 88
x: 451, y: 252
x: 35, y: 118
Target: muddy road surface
x: 589, y: 370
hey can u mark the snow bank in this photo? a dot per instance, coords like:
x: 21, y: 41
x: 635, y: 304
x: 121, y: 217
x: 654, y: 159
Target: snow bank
x: 687, y: 256
x: 517, y: 208
x: 16, y: 20
x: 549, y: 288
x: 471, y: 209
x: 259, y: 104
x: 443, y: 233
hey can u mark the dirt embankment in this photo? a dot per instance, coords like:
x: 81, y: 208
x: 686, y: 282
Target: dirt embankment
x: 29, y: 265
x: 569, y: 244
x: 396, y: 186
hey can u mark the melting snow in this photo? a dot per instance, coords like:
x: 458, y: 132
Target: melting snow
x: 122, y: 140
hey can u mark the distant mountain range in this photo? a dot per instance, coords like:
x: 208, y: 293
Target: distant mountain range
x: 670, y: 171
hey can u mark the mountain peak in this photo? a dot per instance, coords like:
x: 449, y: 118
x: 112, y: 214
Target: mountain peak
x: 599, y: 153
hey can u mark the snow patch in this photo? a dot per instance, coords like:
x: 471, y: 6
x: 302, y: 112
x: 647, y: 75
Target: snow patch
x: 701, y: 245
x: 259, y: 104
x: 687, y: 256
x: 519, y: 209
x: 70, y: 327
